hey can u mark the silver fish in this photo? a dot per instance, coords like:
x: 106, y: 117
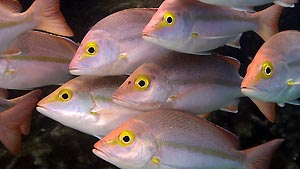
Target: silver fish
x: 273, y: 75
x: 190, y: 26
x: 85, y: 104
x: 166, y: 139
x: 242, y: 4
x: 114, y: 46
x: 36, y: 59
x: 184, y: 82
x: 43, y: 15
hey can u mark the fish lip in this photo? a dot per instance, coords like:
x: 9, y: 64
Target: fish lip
x: 122, y: 101
x: 44, y: 110
x: 77, y: 71
x: 100, y: 153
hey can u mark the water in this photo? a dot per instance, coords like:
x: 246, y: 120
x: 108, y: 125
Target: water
x: 51, y: 145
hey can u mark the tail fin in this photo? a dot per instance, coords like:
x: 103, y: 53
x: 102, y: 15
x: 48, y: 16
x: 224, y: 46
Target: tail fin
x: 50, y: 18
x: 268, y: 21
x: 259, y: 157
x: 15, y: 121
x: 13, y: 6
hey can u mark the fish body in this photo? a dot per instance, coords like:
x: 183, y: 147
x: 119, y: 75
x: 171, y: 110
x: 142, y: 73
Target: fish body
x: 16, y: 120
x: 249, y: 3
x: 169, y: 139
x: 184, y: 82
x: 193, y: 27
x: 273, y: 75
x: 88, y: 106
x: 43, y: 15
x: 114, y: 46
x: 36, y: 59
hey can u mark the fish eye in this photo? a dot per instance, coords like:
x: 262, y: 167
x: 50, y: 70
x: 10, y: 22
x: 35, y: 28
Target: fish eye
x: 169, y: 18
x: 126, y: 138
x: 91, y: 49
x: 142, y: 82
x: 65, y: 95
x: 267, y: 69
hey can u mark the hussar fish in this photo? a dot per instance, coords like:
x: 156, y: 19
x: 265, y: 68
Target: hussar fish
x: 43, y: 15
x: 114, y: 46
x: 184, y: 82
x: 85, y: 104
x: 16, y: 120
x: 36, y: 59
x: 166, y: 139
x: 190, y: 26
x: 242, y: 4
x: 273, y: 75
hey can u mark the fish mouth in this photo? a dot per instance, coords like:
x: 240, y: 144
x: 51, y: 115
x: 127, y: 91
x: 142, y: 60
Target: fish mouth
x: 100, y: 153
x: 149, y: 37
x: 77, y: 71
x: 250, y: 92
x: 122, y: 102
x: 43, y: 110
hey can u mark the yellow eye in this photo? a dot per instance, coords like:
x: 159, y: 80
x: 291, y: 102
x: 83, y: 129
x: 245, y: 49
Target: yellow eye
x: 91, y: 49
x: 126, y: 138
x: 142, y: 82
x: 65, y: 95
x: 267, y: 69
x: 169, y: 19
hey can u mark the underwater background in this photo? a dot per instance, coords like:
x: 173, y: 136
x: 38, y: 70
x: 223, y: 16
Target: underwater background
x: 52, y: 145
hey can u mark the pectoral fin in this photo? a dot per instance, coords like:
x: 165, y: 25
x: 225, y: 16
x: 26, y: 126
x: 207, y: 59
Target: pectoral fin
x: 267, y: 108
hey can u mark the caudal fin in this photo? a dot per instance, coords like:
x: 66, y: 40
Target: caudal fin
x: 49, y: 17
x: 268, y: 21
x: 259, y: 157
x: 14, y: 122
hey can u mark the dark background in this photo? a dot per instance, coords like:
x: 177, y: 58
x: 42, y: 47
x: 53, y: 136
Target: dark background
x: 51, y: 145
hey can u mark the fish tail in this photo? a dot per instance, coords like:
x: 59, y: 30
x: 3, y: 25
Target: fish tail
x: 259, y: 157
x: 268, y: 21
x: 50, y: 17
x: 14, y: 122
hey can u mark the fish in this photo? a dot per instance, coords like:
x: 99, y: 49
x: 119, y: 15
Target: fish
x: 13, y: 5
x: 170, y: 139
x: 184, y: 82
x: 85, y: 104
x: 242, y: 4
x: 114, y: 45
x: 273, y: 74
x: 193, y: 27
x: 42, y: 15
x: 36, y: 59
x: 16, y: 120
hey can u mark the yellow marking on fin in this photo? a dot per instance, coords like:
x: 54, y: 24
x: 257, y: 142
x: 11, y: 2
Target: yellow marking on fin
x: 290, y: 82
x: 172, y: 97
x: 123, y: 56
x: 10, y: 71
x: 195, y: 35
x: 93, y: 113
x: 155, y: 160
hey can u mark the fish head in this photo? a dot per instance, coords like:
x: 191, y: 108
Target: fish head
x: 169, y: 26
x: 145, y: 89
x: 96, y: 54
x: 129, y: 146
x: 266, y: 78
x: 69, y: 104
